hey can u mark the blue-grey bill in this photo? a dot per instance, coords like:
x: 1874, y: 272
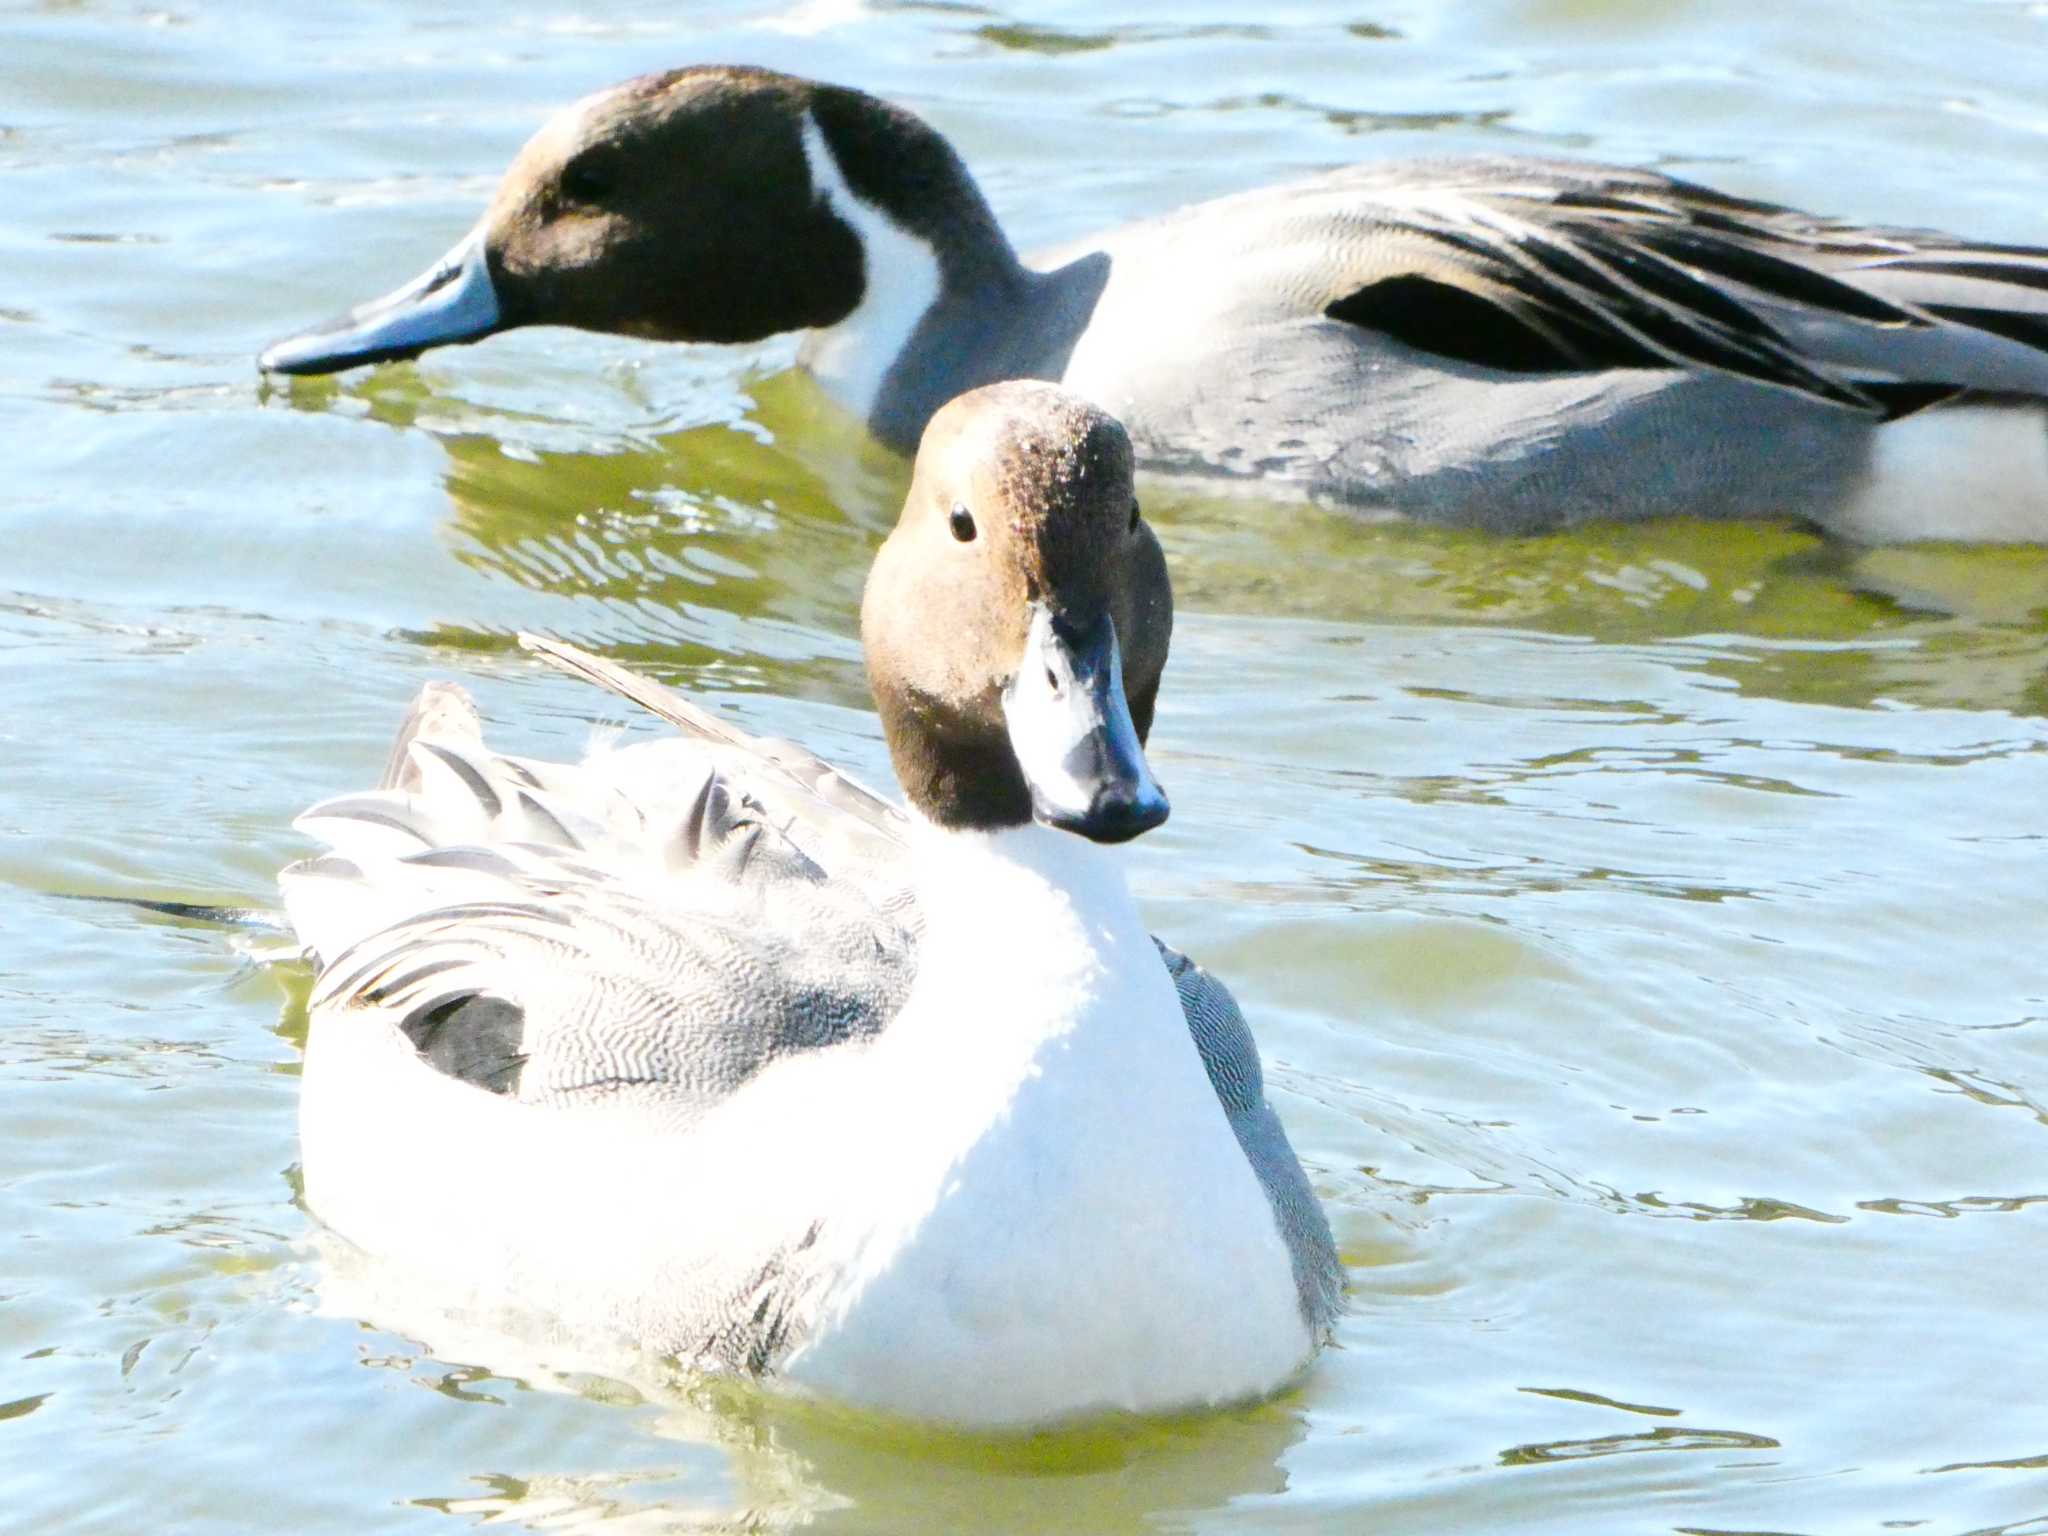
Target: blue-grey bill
x: 452, y: 301
x: 1070, y: 726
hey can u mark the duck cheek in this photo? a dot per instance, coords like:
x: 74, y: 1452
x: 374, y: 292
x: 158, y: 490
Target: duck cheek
x: 1071, y: 731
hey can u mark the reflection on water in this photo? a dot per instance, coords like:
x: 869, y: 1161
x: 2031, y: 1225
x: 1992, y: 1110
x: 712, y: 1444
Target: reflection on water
x: 666, y: 538
x: 1642, y: 925
x: 1667, y: 1439
x: 662, y: 538
x: 783, y: 1463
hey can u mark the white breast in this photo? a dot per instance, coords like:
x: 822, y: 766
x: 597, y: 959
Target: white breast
x: 1060, y: 1219
x: 900, y: 278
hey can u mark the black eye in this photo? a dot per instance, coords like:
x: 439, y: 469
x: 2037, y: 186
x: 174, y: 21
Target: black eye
x: 588, y: 178
x: 962, y: 523
x: 1134, y: 517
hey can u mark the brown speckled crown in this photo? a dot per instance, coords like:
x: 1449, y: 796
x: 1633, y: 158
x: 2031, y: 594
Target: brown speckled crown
x: 1046, y: 480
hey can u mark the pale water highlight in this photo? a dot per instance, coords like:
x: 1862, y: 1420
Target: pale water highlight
x: 1643, y: 927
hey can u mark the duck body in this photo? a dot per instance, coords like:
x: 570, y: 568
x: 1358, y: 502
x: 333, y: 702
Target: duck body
x: 699, y: 1047
x: 1016, y: 1200
x: 1504, y: 343
x: 1316, y: 338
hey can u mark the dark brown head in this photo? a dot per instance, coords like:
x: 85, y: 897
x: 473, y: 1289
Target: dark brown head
x: 706, y: 204
x: 1016, y: 621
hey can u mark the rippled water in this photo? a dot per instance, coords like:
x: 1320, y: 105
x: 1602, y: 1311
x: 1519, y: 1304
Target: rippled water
x: 1643, y: 926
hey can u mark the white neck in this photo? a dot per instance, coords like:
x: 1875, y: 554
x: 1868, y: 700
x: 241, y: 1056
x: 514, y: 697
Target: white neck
x: 1050, y: 899
x: 900, y: 281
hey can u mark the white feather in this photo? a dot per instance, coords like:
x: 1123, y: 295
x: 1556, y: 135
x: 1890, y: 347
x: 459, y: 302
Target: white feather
x: 1973, y: 472
x: 1028, y: 1200
x: 1056, y: 1203
x: 901, y: 281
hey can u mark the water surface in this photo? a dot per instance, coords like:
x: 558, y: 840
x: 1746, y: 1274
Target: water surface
x: 1643, y: 926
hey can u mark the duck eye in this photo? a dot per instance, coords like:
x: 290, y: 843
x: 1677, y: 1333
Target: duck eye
x: 1134, y: 516
x: 587, y: 179
x: 962, y: 523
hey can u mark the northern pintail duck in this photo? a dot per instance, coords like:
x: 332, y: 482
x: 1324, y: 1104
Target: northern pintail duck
x: 1503, y: 343
x: 699, y: 1045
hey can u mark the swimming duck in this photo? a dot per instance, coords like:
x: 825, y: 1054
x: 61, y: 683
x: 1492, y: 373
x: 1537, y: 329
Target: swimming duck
x: 1503, y: 343
x: 701, y: 1046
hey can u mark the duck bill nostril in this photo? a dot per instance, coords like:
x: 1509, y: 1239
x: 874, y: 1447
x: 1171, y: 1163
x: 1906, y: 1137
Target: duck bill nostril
x: 454, y: 300
x: 1070, y: 727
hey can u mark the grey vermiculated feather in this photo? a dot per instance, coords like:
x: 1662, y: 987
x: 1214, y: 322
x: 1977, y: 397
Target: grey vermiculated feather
x: 1231, y: 1057
x: 1521, y: 345
x: 1611, y: 267
x: 719, y: 908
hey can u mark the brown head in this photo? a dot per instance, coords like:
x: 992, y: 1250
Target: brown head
x: 1016, y: 622
x: 679, y: 207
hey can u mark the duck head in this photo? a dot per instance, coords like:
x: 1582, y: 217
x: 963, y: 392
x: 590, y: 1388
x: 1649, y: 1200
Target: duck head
x: 1016, y: 622
x: 715, y: 204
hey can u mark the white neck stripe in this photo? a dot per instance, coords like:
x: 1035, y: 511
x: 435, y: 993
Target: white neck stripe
x: 900, y: 282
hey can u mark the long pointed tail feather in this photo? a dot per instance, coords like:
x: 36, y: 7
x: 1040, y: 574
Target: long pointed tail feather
x: 256, y: 919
